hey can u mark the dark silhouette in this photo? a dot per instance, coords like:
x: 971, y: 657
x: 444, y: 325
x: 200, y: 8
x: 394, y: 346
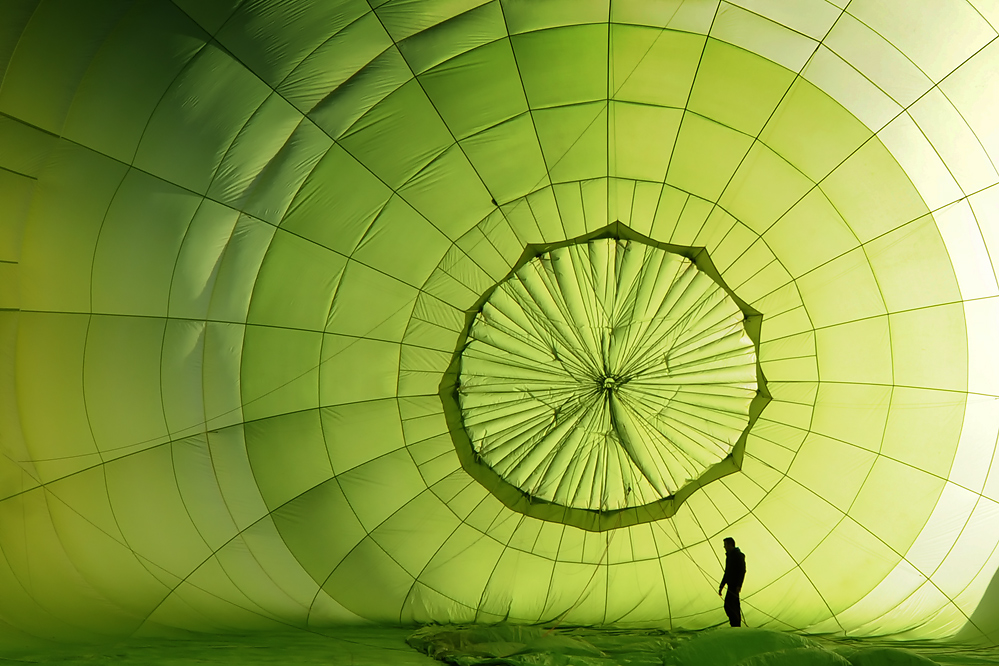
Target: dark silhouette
x: 735, y: 574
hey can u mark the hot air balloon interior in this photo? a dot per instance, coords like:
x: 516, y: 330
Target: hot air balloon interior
x: 464, y: 331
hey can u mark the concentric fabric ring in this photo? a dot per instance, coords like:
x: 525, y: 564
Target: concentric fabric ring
x: 231, y: 298
x: 606, y: 375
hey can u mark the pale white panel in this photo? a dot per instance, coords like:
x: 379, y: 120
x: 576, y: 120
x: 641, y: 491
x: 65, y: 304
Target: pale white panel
x: 937, y: 35
x: 988, y: 9
x: 878, y: 60
x: 970, y: 597
x: 942, y: 529
x: 921, y: 163
x: 847, y: 86
x: 978, y: 442
x: 991, y: 489
x: 927, y: 612
x: 755, y: 33
x: 972, y: 265
x: 969, y: 553
x: 974, y: 90
x: 900, y: 583
x: 957, y: 145
x: 982, y: 319
x: 985, y: 205
x: 811, y: 17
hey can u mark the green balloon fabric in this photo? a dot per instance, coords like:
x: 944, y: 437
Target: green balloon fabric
x: 280, y: 279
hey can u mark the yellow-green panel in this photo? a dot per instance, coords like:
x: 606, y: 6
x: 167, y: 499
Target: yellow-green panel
x: 79, y: 32
x: 261, y: 140
x: 288, y: 455
x: 641, y: 140
x: 319, y: 528
x: 653, y: 66
x: 101, y: 554
x: 449, y: 193
x: 796, y: 515
x: 237, y: 270
x: 923, y: 428
x: 810, y: 234
x: 857, y: 188
x: 405, y: 119
x: 125, y: 63
x: 694, y: 214
x: 763, y: 189
x: 385, y: 245
x: 359, y: 432
x: 295, y: 284
x: 358, y: 194
x: 854, y: 413
x: 562, y: 66
x: 197, y: 262
x: 341, y: 106
x: 479, y: 26
x: 352, y: 369
x: 370, y: 500
x: 184, y: 143
x: 508, y: 158
x: 382, y: 599
x: 48, y: 370
x: 791, y: 595
x: 200, y: 491
x: 737, y: 88
x: 940, y: 364
x: 574, y: 140
x: 232, y: 470
x: 335, y: 61
x: 417, y: 532
x: 741, y: 256
x: 812, y: 131
x: 856, y: 352
x: 894, y: 484
x: 183, y: 347
x: 518, y: 586
x: 477, y: 89
x: 832, y: 469
x: 143, y: 482
x: 912, y: 266
x: 279, y: 372
x: 706, y: 156
x: 837, y: 579
x: 75, y: 616
x: 822, y: 290
x: 527, y: 16
x: 63, y: 228
x: 271, y: 40
x: 121, y: 379
x: 462, y: 566
x: 402, y: 23
x: 220, y: 374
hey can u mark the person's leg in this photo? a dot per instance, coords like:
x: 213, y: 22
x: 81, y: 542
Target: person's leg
x: 732, y: 608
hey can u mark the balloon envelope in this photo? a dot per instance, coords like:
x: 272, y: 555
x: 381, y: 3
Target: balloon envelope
x: 245, y: 247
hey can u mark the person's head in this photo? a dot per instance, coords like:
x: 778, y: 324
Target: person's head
x: 729, y: 543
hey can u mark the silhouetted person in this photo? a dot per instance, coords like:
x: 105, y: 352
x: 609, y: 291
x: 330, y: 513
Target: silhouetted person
x: 735, y: 574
